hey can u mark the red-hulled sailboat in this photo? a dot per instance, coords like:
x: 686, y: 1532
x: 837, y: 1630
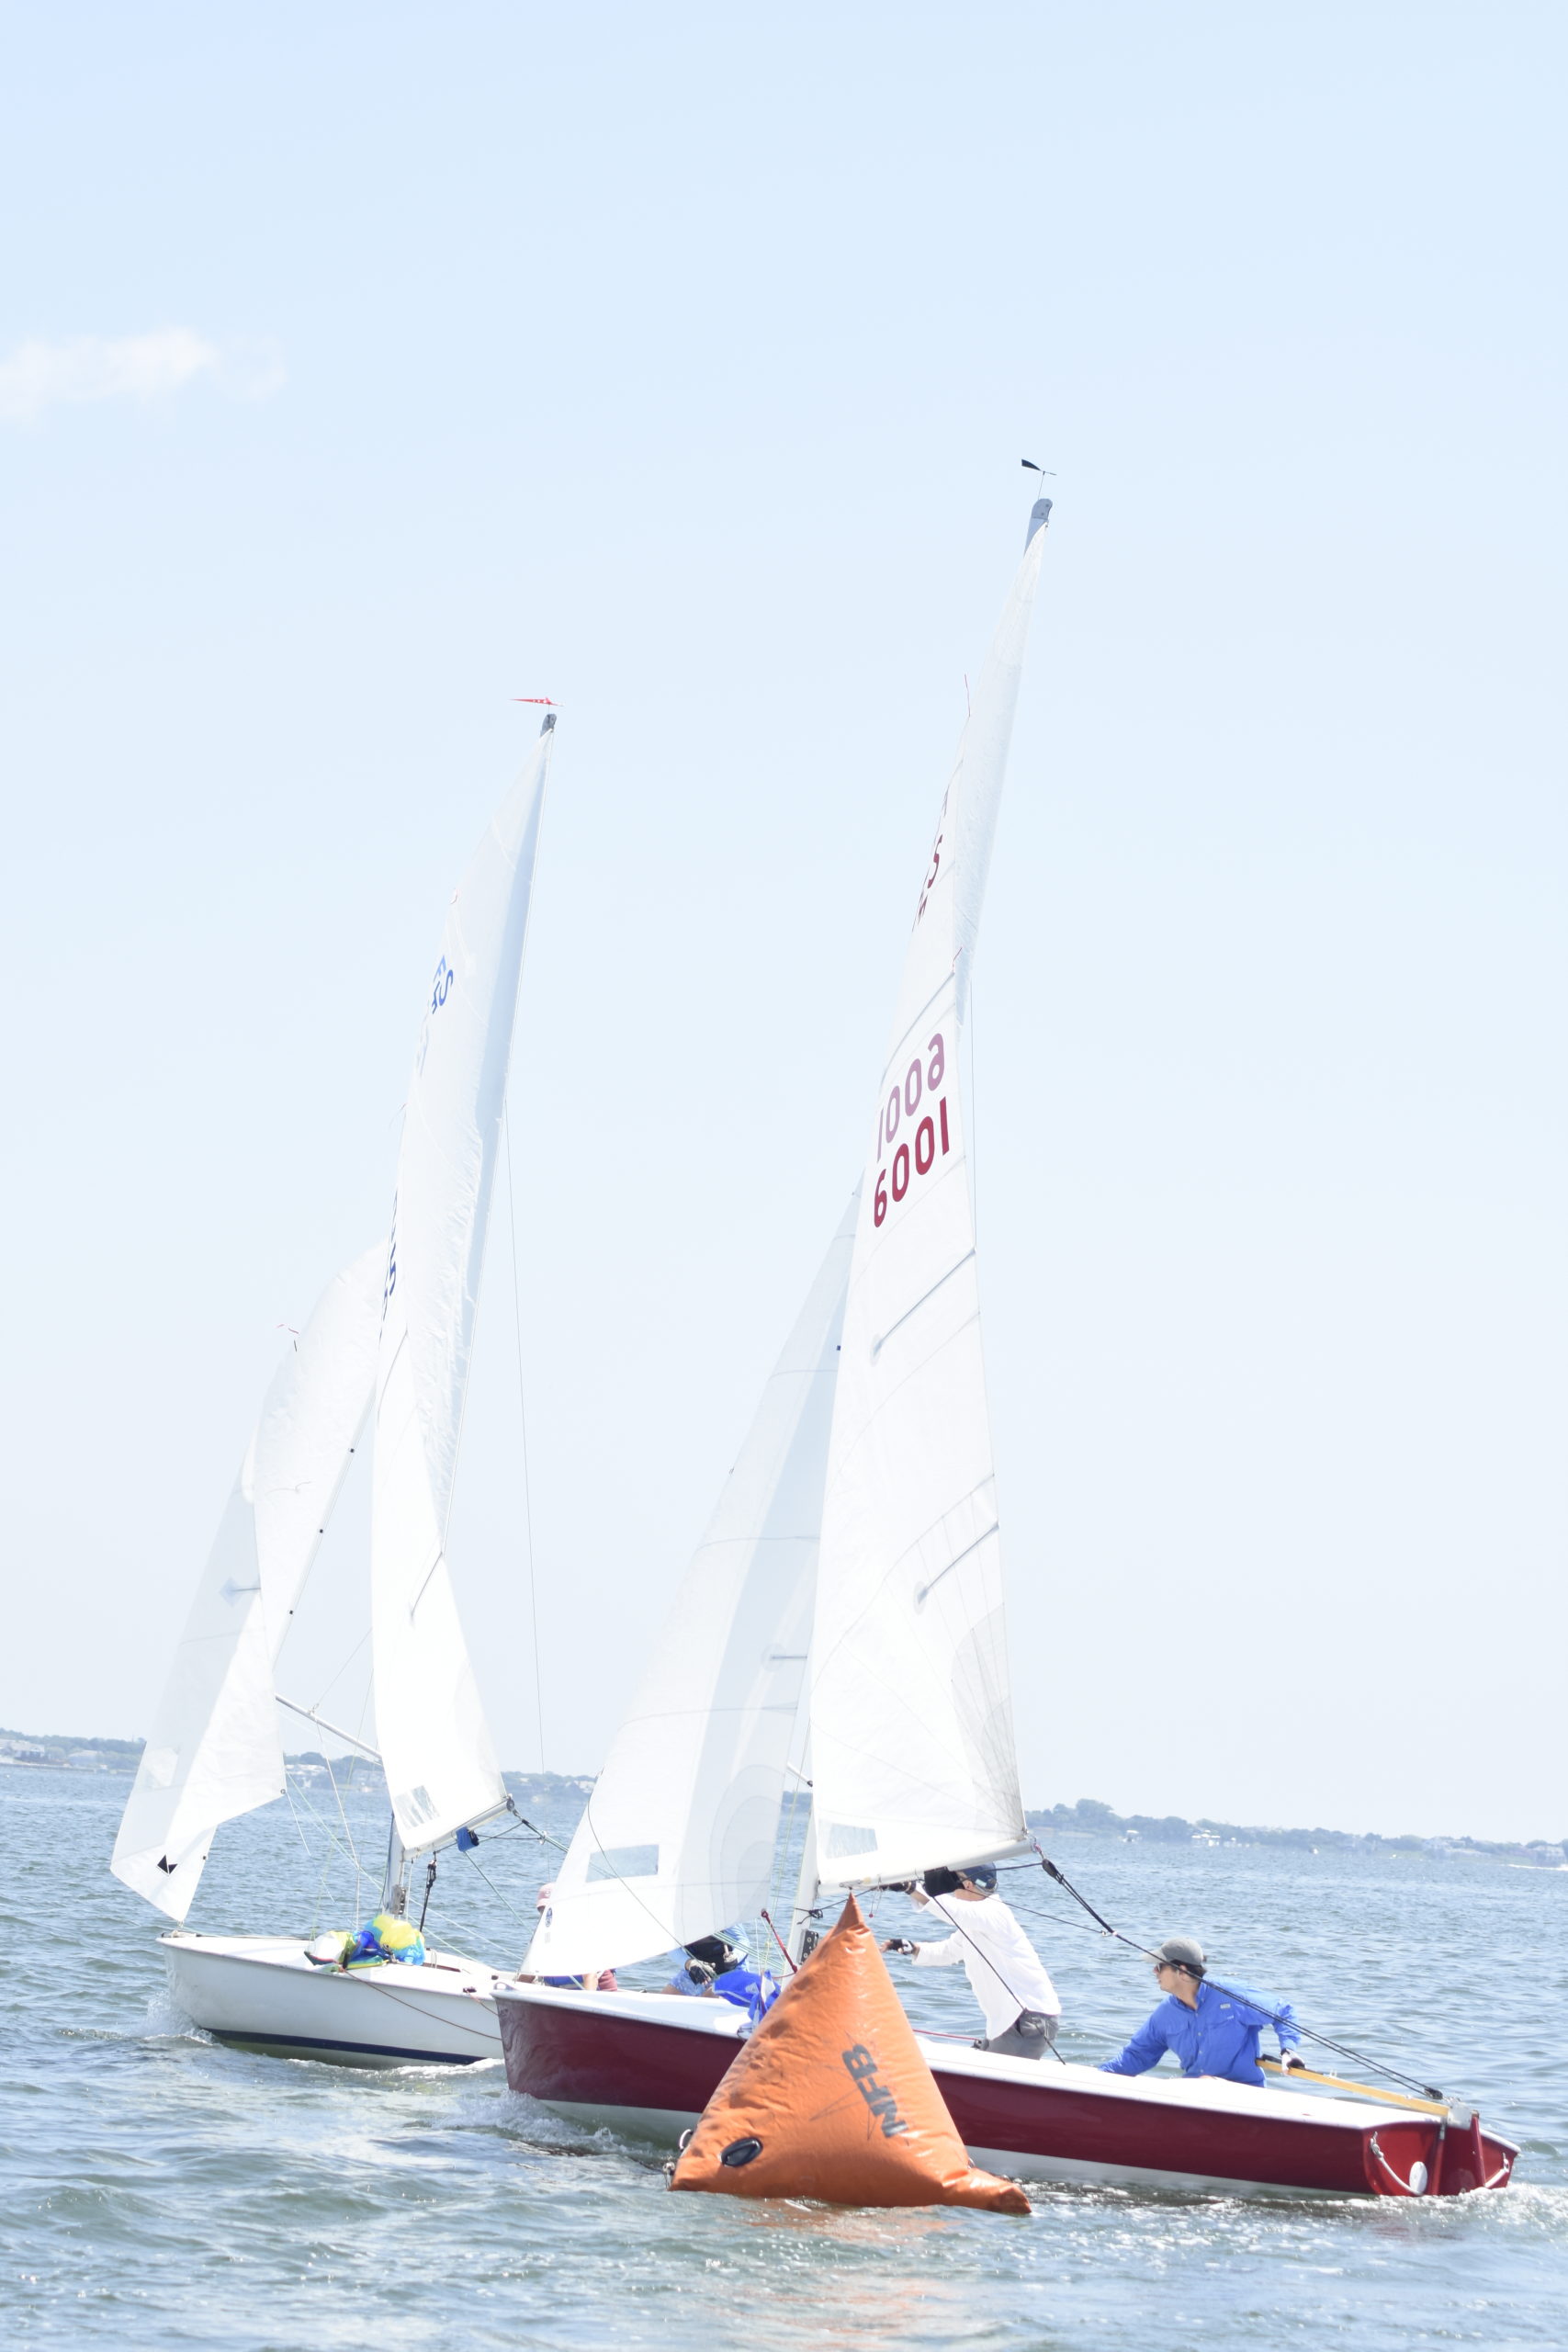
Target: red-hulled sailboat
x: 845, y: 1619
x: 648, y: 2062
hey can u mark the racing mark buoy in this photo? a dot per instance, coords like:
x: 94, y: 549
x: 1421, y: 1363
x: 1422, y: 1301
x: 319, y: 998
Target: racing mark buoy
x: 831, y: 2097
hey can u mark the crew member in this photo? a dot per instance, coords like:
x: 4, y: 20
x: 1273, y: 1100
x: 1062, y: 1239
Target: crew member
x: 1212, y: 2029
x: 718, y: 1965
x: 1017, y: 1998
x: 705, y: 1961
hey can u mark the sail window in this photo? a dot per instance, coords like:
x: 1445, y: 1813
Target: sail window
x: 844, y: 1838
x: 624, y: 1862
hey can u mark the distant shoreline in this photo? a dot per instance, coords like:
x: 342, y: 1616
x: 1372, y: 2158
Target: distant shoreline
x: 1089, y: 1817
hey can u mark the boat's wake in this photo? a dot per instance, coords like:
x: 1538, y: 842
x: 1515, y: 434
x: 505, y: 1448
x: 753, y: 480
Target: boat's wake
x: 525, y: 2119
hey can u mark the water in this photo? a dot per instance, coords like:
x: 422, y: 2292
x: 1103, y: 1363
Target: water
x: 160, y: 2191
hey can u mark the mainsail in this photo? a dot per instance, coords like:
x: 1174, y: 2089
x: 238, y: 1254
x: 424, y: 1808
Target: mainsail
x: 215, y: 1750
x: 910, y: 1709
x: 678, y: 1837
x: 436, y: 1747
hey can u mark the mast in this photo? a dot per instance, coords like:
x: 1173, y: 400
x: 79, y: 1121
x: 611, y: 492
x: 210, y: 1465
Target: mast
x: 804, y: 1932
x: 395, y: 1877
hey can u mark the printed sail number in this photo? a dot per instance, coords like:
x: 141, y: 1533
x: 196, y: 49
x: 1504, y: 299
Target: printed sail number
x: 924, y: 1143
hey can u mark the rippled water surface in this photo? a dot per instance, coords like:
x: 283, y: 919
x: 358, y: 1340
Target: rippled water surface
x: 161, y: 2191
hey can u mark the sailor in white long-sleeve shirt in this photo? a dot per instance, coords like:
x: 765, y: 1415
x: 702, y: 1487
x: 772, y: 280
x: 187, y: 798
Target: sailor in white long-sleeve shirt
x: 1017, y: 1998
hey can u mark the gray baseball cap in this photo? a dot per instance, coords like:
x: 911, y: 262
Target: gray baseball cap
x: 1183, y: 1952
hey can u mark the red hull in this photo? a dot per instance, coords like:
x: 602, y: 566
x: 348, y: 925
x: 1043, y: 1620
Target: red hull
x: 596, y: 2057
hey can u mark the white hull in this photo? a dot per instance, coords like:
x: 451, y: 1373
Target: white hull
x: 260, y: 1992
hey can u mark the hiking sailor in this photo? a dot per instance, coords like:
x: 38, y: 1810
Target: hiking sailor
x: 1016, y: 1996
x: 1212, y: 2029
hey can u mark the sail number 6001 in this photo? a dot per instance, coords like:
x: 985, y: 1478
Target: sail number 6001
x: 929, y: 1141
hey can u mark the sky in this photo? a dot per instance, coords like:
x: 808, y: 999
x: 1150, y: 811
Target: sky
x: 362, y: 369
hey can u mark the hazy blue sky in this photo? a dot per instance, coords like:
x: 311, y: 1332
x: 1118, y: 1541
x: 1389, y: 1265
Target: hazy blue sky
x: 363, y: 367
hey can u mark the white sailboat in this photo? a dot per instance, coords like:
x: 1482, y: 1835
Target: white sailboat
x: 907, y: 1701
x: 398, y: 1328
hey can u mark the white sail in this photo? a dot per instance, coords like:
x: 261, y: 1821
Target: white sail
x: 436, y: 1747
x: 912, y: 1715
x: 215, y: 1750
x: 678, y: 1837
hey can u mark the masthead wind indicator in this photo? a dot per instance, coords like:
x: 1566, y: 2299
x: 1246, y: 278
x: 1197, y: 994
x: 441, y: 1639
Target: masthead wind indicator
x: 1040, y: 513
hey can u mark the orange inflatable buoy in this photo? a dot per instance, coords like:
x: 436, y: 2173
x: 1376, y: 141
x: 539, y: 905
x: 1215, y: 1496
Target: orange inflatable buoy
x: 831, y: 2097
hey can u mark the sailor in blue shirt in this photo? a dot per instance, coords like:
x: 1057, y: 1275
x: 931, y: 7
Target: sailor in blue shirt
x: 1212, y: 2029
x: 705, y: 1963
x: 717, y: 1964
